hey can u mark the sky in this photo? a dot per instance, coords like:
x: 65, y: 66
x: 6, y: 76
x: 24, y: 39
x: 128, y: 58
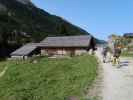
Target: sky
x: 98, y: 17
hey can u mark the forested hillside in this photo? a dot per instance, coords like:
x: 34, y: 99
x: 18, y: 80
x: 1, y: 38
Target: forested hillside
x: 21, y: 23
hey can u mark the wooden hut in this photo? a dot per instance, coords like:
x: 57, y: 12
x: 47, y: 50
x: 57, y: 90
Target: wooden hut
x: 67, y: 45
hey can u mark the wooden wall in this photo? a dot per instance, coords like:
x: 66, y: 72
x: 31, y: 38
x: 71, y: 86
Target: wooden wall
x: 63, y: 51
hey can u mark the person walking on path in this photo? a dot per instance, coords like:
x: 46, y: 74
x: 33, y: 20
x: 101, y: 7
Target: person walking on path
x: 104, y: 54
x: 116, y: 84
x: 116, y: 55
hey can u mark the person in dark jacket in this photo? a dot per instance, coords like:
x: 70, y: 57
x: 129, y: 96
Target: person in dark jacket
x: 104, y: 53
x: 116, y: 55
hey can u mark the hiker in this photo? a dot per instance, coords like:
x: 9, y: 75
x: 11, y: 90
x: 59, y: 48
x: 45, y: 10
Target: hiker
x: 109, y: 56
x: 92, y: 52
x: 104, y: 53
x: 116, y: 55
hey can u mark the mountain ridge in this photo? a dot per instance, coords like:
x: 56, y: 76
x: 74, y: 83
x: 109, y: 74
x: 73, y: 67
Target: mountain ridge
x: 21, y: 22
x: 37, y: 18
x: 24, y: 1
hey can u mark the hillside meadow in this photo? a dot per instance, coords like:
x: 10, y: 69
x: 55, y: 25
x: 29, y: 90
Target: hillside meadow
x: 48, y: 79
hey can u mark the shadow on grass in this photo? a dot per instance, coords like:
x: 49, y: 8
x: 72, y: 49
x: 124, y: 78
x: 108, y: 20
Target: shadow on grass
x: 124, y: 63
x: 2, y: 59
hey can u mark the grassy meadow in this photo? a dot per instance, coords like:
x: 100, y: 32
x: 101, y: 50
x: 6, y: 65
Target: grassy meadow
x: 49, y: 79
x: 127, y: 54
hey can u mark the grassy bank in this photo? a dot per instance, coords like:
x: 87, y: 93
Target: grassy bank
x: 127, y: 54
x: 3, y: 64
x: 49, y: 79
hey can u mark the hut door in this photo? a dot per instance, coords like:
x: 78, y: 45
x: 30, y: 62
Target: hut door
x: 72, y: 53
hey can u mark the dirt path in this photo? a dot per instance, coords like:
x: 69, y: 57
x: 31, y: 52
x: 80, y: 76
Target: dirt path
x: 3, y: 72
x: 117, y: 82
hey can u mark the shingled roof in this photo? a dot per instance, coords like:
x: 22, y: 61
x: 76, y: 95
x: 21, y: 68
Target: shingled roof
x: 128, y: 35
x: 25, y: 50
x: 67, y: 41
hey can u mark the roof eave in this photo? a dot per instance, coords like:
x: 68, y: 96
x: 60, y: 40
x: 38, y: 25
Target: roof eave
x: 63, y: 46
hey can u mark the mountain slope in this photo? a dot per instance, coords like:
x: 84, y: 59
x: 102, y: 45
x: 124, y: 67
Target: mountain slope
x: 35, y: 21
x: 21, y: 22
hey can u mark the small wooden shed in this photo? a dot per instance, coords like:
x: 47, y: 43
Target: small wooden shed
x: 26, y: 51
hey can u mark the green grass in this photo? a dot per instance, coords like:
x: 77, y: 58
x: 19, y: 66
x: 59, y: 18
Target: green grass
x: 127, y: 54
x: 3, y: 64
x: 49, y: 79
